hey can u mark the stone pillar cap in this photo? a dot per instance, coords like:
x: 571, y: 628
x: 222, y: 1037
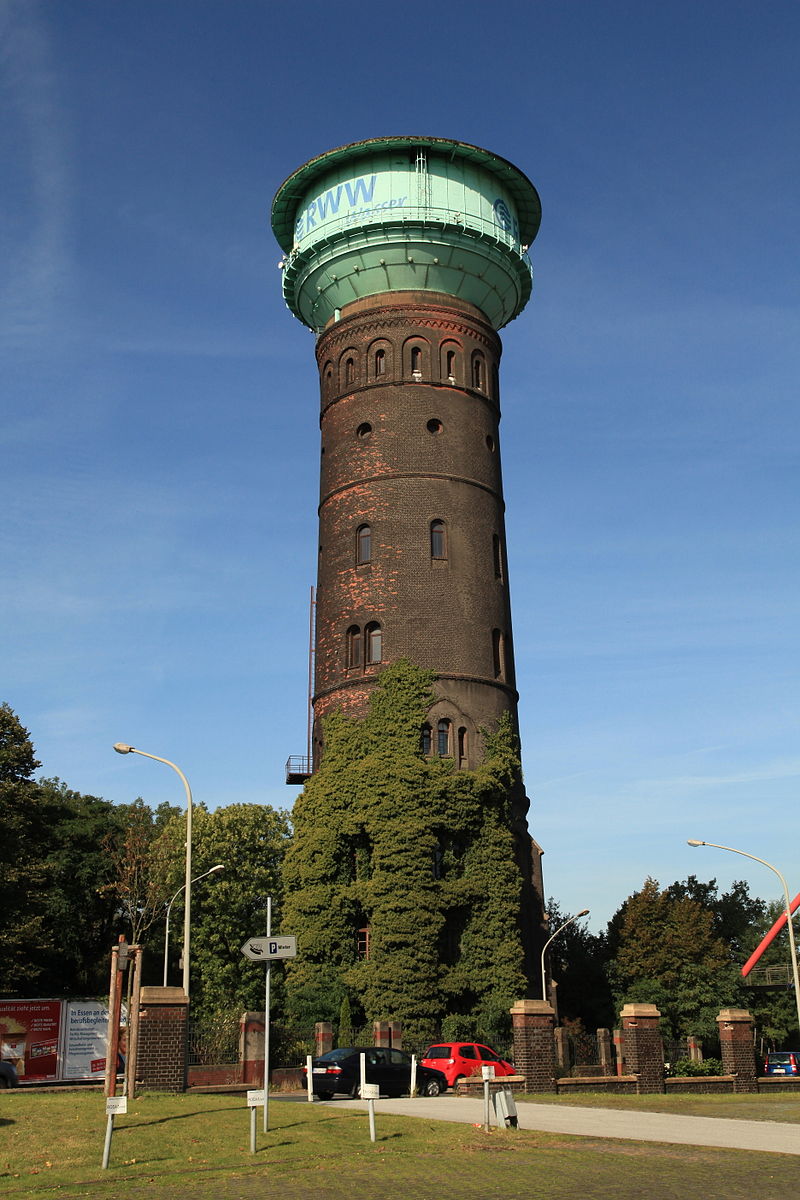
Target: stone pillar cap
x: 529, y: 1007
x: 163, y: 995
x: 734, y: 1014
x: 640, y: 1010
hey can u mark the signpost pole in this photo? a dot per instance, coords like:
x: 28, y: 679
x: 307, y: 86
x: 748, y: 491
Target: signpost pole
x: 107, y: 1145
x: 266, y: 1021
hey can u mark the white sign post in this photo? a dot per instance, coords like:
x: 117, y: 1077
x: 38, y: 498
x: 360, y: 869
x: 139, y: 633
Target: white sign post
x: 266, y: 950
x: 487, y: 1071
x: 371, y: 1092
x: 255, y: 1098
x: 114, y: 1104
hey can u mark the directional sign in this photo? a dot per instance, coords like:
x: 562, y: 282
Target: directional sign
x: 262, y: 949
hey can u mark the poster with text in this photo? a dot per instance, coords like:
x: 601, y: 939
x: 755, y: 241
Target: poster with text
x: 29, y: 1033
x: 85, y: 1034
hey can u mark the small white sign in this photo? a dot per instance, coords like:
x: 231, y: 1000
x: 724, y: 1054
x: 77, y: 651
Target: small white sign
x: 370, y: 1091
x: 487, y: 1071
x: 256, y: 1098
x: 263, y: 949
x: 116, y: 1105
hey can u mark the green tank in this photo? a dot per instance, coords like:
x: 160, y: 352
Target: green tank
x: 406, y: 214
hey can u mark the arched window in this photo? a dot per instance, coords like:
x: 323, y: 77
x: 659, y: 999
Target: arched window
x: 350, y: 371
x: 450, y: 365
x: 478, y: 372
x: 416, y: 361
x: 353, y: 638
x: 380, y: 361
x: 363, y: 544
x: 443, y: 737
x: 462, y: 746
x: 497, y: 556
x: 426, y: 740
x: 438, y: 539
x: 373, y: 640
x: 498, y: 654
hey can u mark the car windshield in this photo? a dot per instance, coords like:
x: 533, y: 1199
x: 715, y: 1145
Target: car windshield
x: 780, y: 1058
x: 437, y: 1052
x: 337, y: 1055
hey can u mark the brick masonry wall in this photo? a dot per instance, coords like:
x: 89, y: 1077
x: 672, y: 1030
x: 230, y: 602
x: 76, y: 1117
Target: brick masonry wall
x: 398, y: 478
x: 534, y: 1044
x: 736, y: 1045
x: 643, y: 1047
x: 162, y: 1054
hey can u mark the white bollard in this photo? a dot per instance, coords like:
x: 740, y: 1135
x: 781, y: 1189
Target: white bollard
x: 310, y: 1078
x: 413, y: 1091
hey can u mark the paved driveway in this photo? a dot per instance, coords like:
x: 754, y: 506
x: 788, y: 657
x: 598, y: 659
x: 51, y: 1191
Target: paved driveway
x: 774, y: 1137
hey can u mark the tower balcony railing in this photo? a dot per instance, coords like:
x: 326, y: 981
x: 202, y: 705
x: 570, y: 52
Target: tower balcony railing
x: 360, y: 221
x: 298, y: 768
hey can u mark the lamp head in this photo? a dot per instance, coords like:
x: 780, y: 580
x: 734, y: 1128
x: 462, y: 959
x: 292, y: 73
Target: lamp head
x: 694, y: 842
x: 584, y: 913
x: 121, y: 748
x: 218, y: 867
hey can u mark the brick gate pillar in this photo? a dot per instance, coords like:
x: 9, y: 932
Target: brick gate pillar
x: 251, y: 1048
x: 605, y: 1055
x: 644, y: 1050
x: 162, y: 1058
x: 534, y: 1044
x: 736, y: 1043
x: 381, y: 1033
x: 323, y: 1038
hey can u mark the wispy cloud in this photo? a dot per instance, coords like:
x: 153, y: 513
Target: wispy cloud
x: 36, y: 218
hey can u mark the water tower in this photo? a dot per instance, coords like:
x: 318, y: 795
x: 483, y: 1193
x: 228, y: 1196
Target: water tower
x: 405, y: 256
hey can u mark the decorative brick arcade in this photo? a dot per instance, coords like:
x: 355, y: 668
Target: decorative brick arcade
x: 736, y: 1043
x: 644, y: 1049
x: 534, y: 1044
x: 161, y: 1060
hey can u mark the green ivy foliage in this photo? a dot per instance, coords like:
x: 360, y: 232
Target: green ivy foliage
x: 417, y: 851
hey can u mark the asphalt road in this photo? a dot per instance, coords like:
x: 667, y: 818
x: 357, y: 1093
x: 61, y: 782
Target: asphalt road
x: 773, y: 1137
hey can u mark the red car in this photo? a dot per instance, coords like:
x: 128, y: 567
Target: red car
x: 456, y: 1060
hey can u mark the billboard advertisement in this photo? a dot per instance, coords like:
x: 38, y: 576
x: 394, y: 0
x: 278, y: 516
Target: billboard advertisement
x: 30, y: 1036
x: 84, y: 1040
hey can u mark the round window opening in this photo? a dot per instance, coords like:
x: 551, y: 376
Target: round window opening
x: 364, y: 430
x: 434, y: 425
x: 490, y: 442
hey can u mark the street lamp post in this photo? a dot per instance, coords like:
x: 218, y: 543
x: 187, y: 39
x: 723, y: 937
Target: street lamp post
x: 787, y: 902
x: 211, y: 871
x: 122, y: 748
x: 583, y: 913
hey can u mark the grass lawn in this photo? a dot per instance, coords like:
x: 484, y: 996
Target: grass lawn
x: 176, y: 1147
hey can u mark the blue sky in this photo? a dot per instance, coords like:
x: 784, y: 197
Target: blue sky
x: 160, y: 435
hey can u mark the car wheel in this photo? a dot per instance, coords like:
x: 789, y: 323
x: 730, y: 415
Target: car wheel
x: 5, y: 1082
x: 432, y: 1088
x: 324, y: 1095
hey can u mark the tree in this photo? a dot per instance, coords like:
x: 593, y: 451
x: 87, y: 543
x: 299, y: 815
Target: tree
x: 578, y: 964
x: 139, y: 869
x: 401, y: 880
x: 25, y: 941
x: 80, y: 905
x: 667, y: 952
x: 250, y: 840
